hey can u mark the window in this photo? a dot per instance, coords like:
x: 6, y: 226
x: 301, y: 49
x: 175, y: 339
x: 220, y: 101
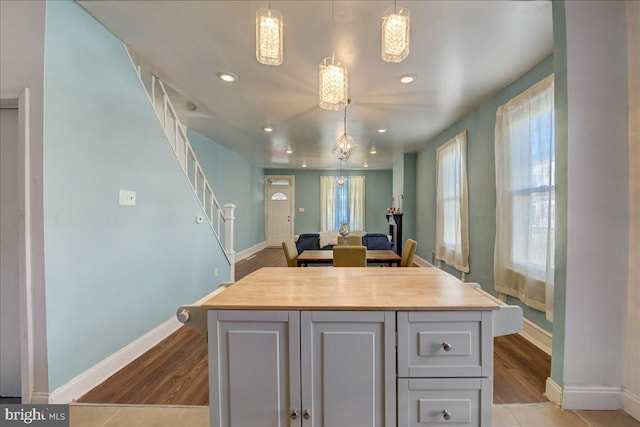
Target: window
x: 279, y: 196
x: 525, y: 197
x: 452, y: 230
x: 340, y: 204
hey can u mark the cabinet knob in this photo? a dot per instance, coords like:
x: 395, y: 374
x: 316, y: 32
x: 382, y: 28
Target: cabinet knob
x: 293, y: 414
x: 446, y: 346
x: 306, y: 414
x: 446, y: 414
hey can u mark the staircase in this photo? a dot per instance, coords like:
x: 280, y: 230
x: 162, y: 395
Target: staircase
x: 219, y: 218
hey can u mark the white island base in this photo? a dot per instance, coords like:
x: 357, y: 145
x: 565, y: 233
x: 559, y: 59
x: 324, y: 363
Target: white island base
x: 288, y: 348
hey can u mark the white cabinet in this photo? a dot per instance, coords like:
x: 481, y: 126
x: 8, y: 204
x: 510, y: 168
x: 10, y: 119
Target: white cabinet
x: 445, y: 368
x: 253, y: 356
x: 308, y: 368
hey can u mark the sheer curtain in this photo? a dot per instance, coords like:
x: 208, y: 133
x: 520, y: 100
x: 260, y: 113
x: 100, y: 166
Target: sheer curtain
x: 342, y: 204
x: 356, y: 203
x: 327, y: 203
x: 525, y: 197
x: 452, y: 211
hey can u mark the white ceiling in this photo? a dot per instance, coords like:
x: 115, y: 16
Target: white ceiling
x: 461, y: 51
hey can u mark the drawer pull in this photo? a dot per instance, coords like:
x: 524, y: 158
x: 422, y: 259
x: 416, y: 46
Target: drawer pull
x: 446, y: 346
x: 446, y: 414
x: 293, y: 414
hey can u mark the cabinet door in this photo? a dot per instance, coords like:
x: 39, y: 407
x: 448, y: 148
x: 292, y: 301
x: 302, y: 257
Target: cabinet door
x: 348, y: 369
x: 254, y: 364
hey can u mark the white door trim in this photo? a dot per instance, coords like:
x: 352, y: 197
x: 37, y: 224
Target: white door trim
x: 292, y: 212
x: 21, y: 99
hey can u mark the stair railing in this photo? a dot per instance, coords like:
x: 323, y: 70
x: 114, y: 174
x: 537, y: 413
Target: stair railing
x: 177, y: 136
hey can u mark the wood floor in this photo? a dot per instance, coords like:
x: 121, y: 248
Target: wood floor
x: 175, y: 371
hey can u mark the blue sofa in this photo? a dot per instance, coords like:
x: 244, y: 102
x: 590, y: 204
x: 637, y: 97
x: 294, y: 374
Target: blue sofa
x: 373, y: 241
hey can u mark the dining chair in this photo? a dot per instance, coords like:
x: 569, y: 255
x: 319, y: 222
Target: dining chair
x: 290, y: 253
x: 408, y: 251
x: 349, y: 256
x: 354, y: 240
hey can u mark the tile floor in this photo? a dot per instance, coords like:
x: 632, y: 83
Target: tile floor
x: 537, y: 415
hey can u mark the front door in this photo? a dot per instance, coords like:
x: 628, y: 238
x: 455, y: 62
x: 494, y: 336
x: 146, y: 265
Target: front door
x: 279, y: 221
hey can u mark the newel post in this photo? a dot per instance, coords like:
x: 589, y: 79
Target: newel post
x: 229, y: 209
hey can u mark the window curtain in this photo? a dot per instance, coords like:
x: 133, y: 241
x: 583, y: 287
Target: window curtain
x: 327, y: 203
x: 342, y: 204
x: 452, y: 211
x: 356, y: 203
x: 525, y: 197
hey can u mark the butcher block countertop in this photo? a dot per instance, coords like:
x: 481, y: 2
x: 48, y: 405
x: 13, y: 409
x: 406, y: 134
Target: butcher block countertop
x: 350, y: 288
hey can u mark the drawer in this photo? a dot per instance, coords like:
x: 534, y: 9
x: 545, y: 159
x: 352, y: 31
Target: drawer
x: 453, y: 401
x: 445, y: 344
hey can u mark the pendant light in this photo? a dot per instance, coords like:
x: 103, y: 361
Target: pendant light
x: 340, y: 179
x: 345, y: 144
x: 269, y: 36
x: 395, y: 34
x: 333, y: 79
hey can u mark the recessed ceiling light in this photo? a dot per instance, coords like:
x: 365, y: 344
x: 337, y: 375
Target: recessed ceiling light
x: 382, y: 130
x: 373, y: 150
x: 227, y: 77
x: 408, y: 78
x: 289, y: 151
x: 268, y: 128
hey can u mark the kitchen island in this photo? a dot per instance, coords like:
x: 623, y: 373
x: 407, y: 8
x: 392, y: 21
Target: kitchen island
x: 352, y: 347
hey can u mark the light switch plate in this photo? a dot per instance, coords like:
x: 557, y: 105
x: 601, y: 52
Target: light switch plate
x: 127, y: 198
x: 300, y: 209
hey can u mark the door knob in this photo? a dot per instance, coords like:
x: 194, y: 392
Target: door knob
x: 306, y: 414
x: 293, y: 414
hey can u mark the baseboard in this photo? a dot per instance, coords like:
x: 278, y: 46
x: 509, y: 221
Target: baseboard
x: 592, y: 398
x: 39, y: 398
x: 250, y: 251
x: 90, y: 378
x: 537, y: 336
x: 421, y: 261
x: 631, y: 404
x: 553, y: 392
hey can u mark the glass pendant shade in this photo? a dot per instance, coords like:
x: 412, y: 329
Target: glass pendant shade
x: 395, y: 34
x: 269, y: 37
x: 333, y: 84
x: 340, y: 179
x: 345, y: 146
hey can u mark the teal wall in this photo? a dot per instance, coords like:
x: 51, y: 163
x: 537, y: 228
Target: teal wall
x: 409, y: 197
x: 234, y: 180
x: 480, y: 125
x: 113, y: 273
x: 377, y: 194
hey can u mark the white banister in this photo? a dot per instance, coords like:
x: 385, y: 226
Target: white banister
x: 212, y: 210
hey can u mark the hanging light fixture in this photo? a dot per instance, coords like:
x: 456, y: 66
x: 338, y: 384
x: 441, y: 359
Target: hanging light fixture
x: 333, y: 79
x: 345, y: 144
x: 395, y: 34
x: 340, y: 178
x: 269, y: 36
